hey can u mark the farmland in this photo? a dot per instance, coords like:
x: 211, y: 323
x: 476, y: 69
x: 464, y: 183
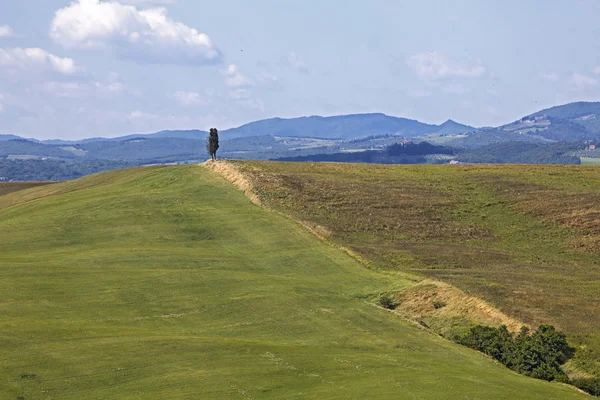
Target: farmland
x: 590, y: 160
x: 524, y: 238
x: 168, y: 283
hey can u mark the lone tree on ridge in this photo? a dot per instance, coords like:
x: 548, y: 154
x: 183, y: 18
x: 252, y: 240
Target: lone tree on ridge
x: 212, y: 143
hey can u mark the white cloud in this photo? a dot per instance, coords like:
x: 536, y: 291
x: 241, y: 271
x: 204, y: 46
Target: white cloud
x: 151, y: 2
x: 549, y: 76
x: 83, y: 90
x: 137, y: 114
x: 234, y: 78
x: 433, y: 65
x: 142, y: 35
x: 114, y: 87
x: 64, y: 89
x: 190, y: 99
x: 1, y: 103
x: 297, y: 62
x: 597, y: 70
x: 266, y: 78
x: 239, y: 94
x: 37, y: 60
x: 582, y: 81
x: 6, y: 31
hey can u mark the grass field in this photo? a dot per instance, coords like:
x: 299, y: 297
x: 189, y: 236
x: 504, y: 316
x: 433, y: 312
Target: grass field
x: 590, y: 161
x: 10, y: 187
x: 167, y: 283
x: 524, y: 238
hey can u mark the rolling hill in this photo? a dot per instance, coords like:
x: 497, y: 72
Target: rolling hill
x: 193, y: 134
x: 524, y: 238
x: 21, y: 147
x: 578, y: 111
x: 571, y: 122
x: 166, y: 282
x: 143, y: 149
x: 6, y: 137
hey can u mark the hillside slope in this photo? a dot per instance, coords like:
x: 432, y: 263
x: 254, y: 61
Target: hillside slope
x: 524, y: 238
x: 167, y: 283
x: 24, y: 147
x: 573, y: 122
x: 6, y: 188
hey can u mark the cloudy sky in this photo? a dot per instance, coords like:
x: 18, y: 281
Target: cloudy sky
x: 82, y: 68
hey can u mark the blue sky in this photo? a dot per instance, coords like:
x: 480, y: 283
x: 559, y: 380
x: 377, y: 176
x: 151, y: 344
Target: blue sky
x: 74, y: 69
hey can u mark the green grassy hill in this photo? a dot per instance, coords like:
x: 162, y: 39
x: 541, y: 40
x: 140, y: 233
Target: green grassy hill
x: 524, y: 238
x: 167, y: 283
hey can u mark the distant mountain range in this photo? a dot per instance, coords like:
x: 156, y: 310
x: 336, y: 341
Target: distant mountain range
x: 344, y: 127
x: 570, y: 122
x: 553, y: 135
x: 187, y: 134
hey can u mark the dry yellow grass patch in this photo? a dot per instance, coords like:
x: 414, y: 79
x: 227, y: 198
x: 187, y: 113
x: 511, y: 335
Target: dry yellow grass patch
x: 233, y: 175
x: 438, y: 299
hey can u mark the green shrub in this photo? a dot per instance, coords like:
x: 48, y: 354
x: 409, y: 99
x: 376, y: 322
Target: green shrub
x: 496, y: 343
x: 387, y: 301
x: 538, y: 355
x: 589, y: 385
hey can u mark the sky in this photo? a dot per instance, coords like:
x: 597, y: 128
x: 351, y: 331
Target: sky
x: 72, y: 69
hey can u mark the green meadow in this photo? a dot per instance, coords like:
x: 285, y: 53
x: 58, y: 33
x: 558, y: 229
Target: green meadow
x: 168, y: 283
